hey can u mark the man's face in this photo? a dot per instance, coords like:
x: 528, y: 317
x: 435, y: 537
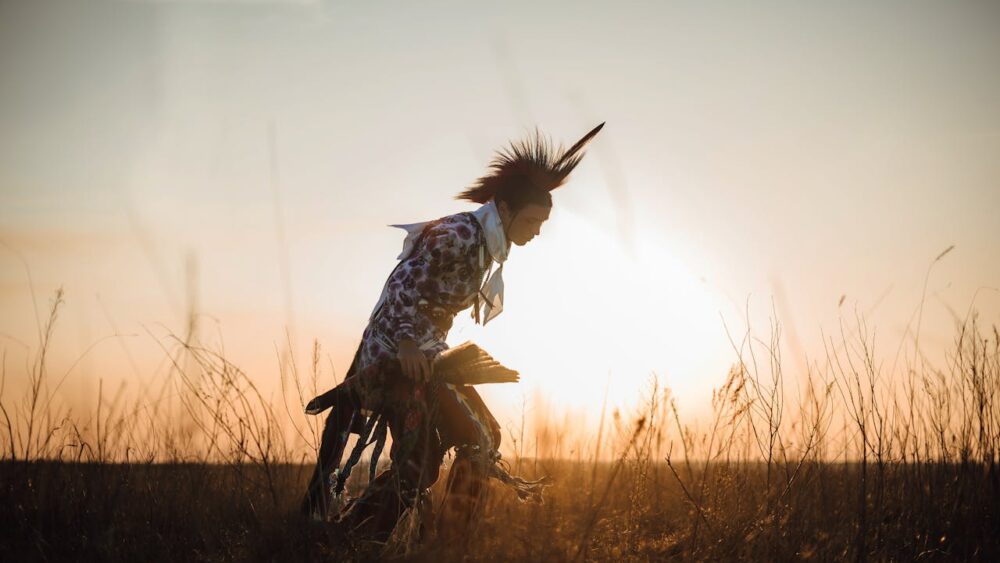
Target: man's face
x: 526, y: 223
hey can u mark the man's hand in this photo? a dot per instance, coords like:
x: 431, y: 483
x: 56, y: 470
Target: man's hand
x: 412, y: 360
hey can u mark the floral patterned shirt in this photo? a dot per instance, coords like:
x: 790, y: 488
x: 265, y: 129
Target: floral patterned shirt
x: 441, y: 276
x: 443, y: 271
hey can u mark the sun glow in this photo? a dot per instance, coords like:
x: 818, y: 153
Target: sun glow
x: 585, y: 313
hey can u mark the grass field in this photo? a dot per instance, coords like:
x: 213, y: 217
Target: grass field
x: 863, y: 465
x: 934, y: 512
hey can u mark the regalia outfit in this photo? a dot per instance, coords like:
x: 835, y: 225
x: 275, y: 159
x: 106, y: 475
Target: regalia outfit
x: 446, y: 266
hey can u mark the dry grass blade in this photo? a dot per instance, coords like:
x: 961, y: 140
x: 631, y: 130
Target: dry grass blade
x: 872, y: 464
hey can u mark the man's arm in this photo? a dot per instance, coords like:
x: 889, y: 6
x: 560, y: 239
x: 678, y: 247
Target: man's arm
x: 417, y: 277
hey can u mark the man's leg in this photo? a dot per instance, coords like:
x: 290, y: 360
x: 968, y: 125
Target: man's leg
x: 416, y: 459
x: 467, y: 424
x: 373, y: 515
x: 331, y: 451
x: 465, y: 495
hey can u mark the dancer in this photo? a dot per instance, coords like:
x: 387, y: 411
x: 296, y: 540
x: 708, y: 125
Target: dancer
x: 397, y: 375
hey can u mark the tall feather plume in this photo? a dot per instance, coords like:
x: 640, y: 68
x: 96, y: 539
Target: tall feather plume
x: 534, y: 160
x: 572, y: 152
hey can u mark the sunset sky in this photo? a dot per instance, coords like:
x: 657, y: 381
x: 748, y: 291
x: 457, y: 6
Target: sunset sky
x: 244, y: 158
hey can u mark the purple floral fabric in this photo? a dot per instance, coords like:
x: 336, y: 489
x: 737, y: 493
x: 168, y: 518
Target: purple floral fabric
x: 440, y: 277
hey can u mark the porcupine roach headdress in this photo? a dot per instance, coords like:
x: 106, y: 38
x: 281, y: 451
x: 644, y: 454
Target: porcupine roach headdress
x: 531, y: 162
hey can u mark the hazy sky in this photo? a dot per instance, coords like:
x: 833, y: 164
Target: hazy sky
x: 763, y: 152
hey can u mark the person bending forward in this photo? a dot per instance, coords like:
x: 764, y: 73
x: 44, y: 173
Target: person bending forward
x: 447, y: 265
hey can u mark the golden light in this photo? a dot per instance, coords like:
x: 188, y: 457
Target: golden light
x: 584, y: 313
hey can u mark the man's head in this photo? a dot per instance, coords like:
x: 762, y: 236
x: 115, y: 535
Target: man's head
x: 523, y: 208
x: 521, y: 179
x: 523, y: 224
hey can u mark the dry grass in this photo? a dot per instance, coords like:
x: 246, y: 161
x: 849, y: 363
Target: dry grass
x: 865, y: 463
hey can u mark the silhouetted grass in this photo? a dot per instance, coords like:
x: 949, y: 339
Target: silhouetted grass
x: 863, y: 464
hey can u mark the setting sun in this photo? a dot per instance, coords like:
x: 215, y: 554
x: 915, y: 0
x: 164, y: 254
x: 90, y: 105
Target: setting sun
x: 583, y: 309
x: 751, y: 303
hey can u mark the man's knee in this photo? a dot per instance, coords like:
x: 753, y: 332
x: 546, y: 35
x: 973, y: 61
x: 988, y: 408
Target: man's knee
x: 420, y: 474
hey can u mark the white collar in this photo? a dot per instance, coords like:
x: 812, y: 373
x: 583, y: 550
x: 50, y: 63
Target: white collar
x: 496, y: 241
x: 491, y: 293
x: 498, y: 246
x: 489, y: 218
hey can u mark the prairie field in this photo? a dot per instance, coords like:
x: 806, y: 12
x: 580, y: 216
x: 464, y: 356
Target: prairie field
x: 861, y: 465
x: 716, y: 230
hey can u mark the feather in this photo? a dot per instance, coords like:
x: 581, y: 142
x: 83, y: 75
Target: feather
x: 580, y: 144
x: 533, y: 160
x: 468, y: 364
